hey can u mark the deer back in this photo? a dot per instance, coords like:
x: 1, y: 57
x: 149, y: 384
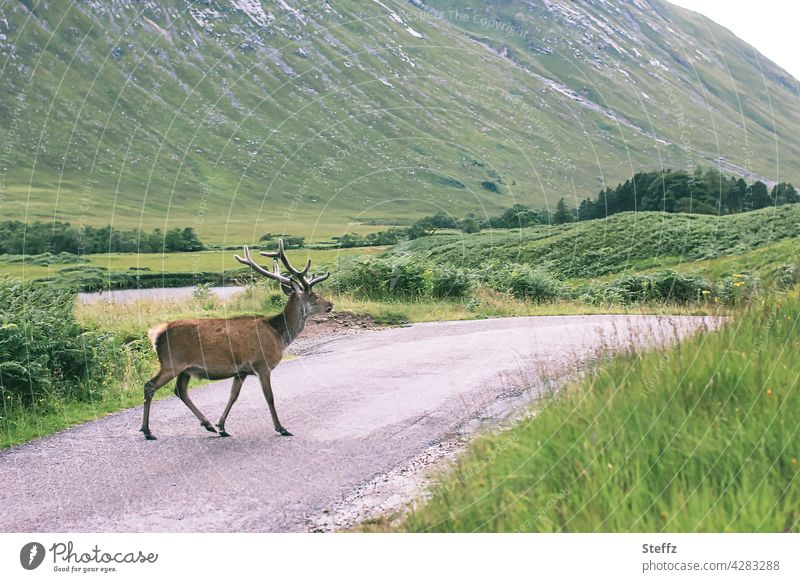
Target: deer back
x: 217, y: 348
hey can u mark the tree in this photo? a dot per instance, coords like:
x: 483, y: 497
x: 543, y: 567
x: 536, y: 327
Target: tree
x: 759, y: 195
x: 442, y: 220
x: 191, y: 242
x: 562, y: 214
x: 421, y: 228
x: 470, y: 226
x: 290, y: 241
x: 784, y: 193
x: 587, y: 210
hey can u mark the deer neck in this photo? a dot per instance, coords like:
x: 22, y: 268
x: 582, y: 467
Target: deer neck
x: 291, y: 321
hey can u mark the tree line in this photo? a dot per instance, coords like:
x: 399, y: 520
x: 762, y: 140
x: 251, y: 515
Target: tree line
x: 17, y: 238
x: 701, y: 192
x: 518, y: 216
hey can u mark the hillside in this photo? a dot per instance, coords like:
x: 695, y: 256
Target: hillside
x: 239, y: 117
x: 625, y: 242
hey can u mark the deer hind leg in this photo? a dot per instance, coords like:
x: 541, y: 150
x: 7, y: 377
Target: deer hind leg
x: 182, y: 391
x: 266, y: 386
x: 150, y: 388
x: 236, y: 387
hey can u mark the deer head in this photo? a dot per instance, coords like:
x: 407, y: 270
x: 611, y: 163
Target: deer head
x: 297, y: 284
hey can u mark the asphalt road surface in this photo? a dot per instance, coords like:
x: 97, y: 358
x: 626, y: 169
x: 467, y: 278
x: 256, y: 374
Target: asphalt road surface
x: 360, y: 407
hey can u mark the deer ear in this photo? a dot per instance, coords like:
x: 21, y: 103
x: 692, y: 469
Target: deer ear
x: 293, y: 287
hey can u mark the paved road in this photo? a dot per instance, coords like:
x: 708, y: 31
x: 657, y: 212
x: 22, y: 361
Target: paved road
x: 359, y: 407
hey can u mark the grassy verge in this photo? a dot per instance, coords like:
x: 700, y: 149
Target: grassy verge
x: 132, y: 320
x: 702, y: 437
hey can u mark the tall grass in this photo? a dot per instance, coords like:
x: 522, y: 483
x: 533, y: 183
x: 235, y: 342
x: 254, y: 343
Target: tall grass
x: 702, y: 437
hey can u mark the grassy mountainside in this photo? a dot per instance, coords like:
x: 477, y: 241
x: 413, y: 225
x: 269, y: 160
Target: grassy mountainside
x: 239, y: 117
x: 629, y: 241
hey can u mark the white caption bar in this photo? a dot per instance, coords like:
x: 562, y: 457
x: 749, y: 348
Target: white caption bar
x: 399, y: 556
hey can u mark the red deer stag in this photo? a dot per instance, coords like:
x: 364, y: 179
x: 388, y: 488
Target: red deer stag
x: 234, y: 347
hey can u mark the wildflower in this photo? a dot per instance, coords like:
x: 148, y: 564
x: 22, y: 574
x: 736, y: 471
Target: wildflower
x: 769, y: 391
x: 663, y: 515
x: 794, y: 461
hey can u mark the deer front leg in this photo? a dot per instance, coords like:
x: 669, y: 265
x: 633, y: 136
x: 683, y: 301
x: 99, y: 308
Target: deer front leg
x: 236, y: 387
x: 266, y: 386
x: 150, y: 388
x: 182, y: 391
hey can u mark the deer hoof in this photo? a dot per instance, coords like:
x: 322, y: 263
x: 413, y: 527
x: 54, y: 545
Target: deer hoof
x: 207, y: 425
x: 283, y: 432
x: 150, y: 437
x: 222, y: 433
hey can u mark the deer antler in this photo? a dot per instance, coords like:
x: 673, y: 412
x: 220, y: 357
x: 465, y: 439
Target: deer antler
x: 300, y: 276
x: 317, y: 278
x: 281, y: 253
x: 275, y: 274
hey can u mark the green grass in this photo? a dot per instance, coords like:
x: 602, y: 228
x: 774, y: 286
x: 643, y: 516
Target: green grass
x: 205, y: 261
x: 625, y: 242
x: 703, y: 437
x: 22, y: 424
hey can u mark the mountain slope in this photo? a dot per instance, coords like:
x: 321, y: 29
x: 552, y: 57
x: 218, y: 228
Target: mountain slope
x: 240, y: 117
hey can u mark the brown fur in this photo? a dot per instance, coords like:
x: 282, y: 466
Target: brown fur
x: 218, y: 348
x: 224, y: 348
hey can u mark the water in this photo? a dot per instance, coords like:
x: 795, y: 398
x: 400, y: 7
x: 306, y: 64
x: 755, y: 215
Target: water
x: 162, y: 295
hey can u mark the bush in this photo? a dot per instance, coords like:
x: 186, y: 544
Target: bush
x: 377, y: 278
x: 526, y: 282
x: 667, y: 286
x: 44, y: 353
x: 410, y: 279
x: 450, y: 283
x: 737, y: 288
x: 363, y: 277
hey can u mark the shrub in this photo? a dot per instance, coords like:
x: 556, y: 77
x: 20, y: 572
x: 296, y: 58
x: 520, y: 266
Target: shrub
x: 680, y: 287
x: 450, y: 283
x: 204, y: 296
x: 363, y: 277
x: 526, y: 282
x: 667, y: 286
x: 737, y: 288
x: 410, y: 279
x: 44, y: 353
x: 377, y: 278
